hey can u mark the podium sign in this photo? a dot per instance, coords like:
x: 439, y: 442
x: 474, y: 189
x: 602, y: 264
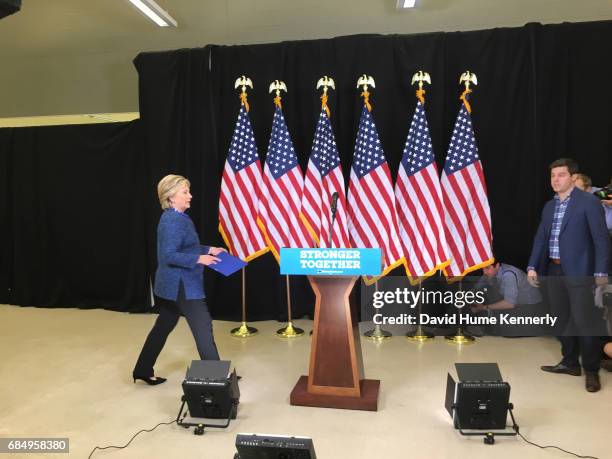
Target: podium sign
x: 331, y: 262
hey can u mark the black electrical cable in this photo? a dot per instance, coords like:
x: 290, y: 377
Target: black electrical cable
x: 128, y: 443
x: 516, y: 428
x: 554, y: 447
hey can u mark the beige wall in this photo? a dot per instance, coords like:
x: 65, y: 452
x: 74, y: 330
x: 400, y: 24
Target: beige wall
x: 69, y: 84
x: 75, y: 56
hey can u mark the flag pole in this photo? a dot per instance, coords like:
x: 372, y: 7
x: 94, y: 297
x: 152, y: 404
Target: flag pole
x: 326, y: 82
x: 419, y: 335
x: 459, y: 337
x: 289, y: 331
x: 377, y: 333
x: 467, y: 78
x: 244, y: 331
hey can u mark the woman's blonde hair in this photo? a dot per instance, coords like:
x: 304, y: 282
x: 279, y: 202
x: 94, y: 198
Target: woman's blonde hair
x: 168, y: 186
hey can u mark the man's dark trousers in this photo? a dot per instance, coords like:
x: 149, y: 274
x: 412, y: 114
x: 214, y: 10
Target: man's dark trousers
x: 579, y: 327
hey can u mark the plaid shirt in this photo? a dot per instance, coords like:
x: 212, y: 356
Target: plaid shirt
x: 553, y: 243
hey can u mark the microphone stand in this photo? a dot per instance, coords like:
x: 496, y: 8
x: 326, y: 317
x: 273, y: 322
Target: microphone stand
x: 334, y: 208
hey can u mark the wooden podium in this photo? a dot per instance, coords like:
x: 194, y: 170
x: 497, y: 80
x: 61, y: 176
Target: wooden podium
x: 335, y: 378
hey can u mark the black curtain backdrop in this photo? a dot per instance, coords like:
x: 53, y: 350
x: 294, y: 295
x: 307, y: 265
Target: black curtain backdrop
x: 543, y: 93
x: 180, y: 116
x: 73, y: 215
x: 6, y: 238
x: 78, y: 204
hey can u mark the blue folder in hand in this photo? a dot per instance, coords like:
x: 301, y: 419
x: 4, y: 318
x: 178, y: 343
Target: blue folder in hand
x: 229, y: 264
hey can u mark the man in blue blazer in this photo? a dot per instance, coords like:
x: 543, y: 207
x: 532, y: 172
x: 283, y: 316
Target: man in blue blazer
x: 572, y: 247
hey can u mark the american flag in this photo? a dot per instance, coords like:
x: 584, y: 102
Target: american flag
x: 467, y: 215
x: 372, y: 218
x: 240, y: 191
x: 323, y: 178
x: 419, y: 202
x: 281, y: 192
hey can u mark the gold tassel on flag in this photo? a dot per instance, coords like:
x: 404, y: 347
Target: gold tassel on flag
x: 243, y: 82
x: 325, y: 82
x: 421, y: 77
x: 467, y: 77
x: 364, y: 81
x: 278, y: 86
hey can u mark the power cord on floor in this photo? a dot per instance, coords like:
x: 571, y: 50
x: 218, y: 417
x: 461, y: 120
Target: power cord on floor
x: 553, y: 447
x: 135, y: 435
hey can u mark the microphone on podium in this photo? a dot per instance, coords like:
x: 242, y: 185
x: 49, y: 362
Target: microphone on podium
x: 333, y: 208
x: 334, y: 204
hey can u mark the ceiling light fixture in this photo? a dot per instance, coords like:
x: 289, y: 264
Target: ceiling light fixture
x: 155, y: 12
x: 401, y: 4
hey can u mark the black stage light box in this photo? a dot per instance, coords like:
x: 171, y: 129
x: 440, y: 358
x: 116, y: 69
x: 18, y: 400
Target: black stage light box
x: 480, y: 400
x: 262, y: 446
x: 211, y: 390
x: 8, y: 7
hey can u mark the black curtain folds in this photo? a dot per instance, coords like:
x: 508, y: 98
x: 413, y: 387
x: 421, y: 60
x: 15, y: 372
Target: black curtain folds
x: 179, y: 113
x: 74, y: 217
x: 532, y: 105
x: 544, y: 92
x: 6, y: 234
x: 179, y: 133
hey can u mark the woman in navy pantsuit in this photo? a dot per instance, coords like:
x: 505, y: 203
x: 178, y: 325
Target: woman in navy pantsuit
x: 179, y: 287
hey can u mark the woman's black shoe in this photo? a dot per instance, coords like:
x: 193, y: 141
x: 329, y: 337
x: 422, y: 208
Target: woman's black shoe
x: 150, y: 380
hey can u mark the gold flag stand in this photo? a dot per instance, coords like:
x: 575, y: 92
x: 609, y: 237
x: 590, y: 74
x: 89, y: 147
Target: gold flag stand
x: 377, y: 333
x: 459, y: 337
x: 419, y: 335
x: 244, y: 331
x: 289, y: 331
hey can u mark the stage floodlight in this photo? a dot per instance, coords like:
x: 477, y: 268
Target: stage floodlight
x: 210, y: 391
x: 480, y: 401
